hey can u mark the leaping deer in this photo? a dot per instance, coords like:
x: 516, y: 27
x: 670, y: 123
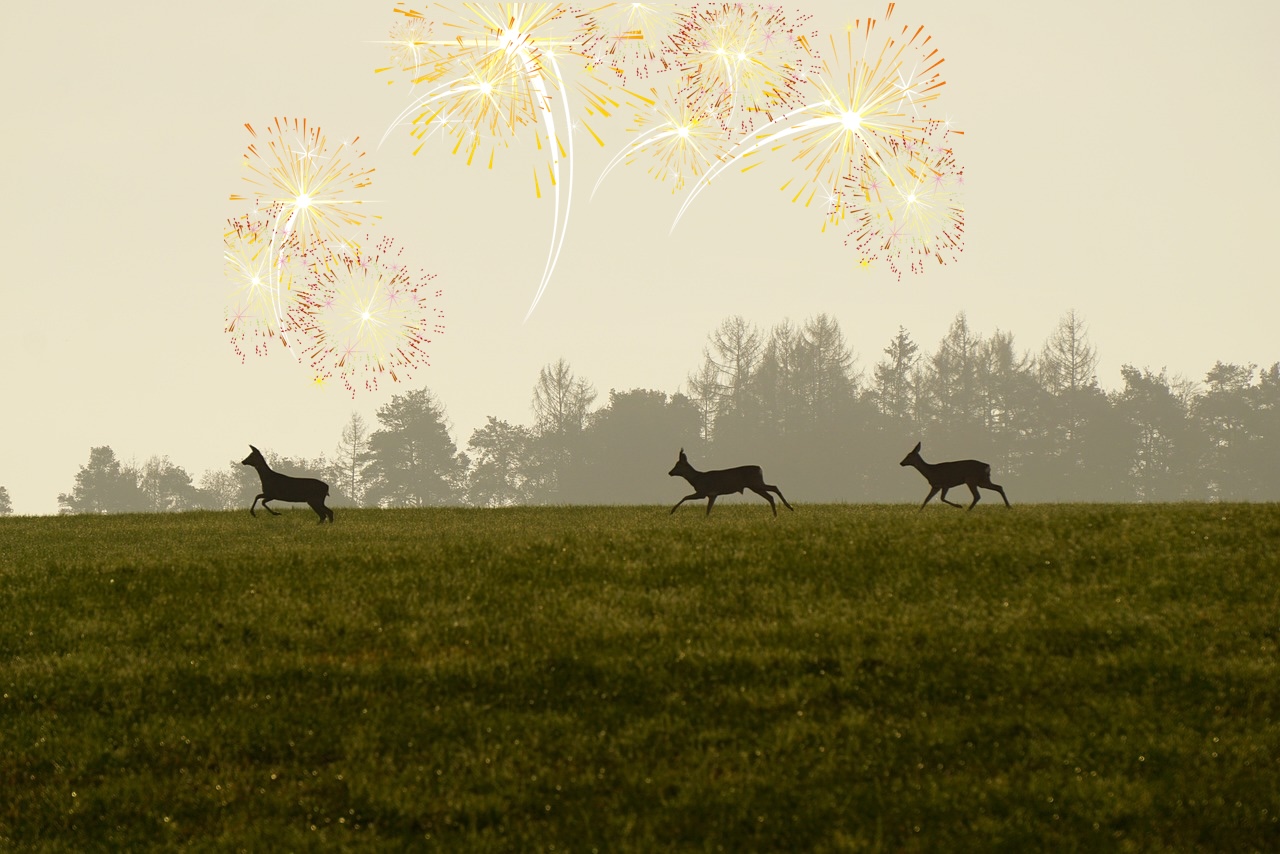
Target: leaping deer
x: 944, y: 476
x: 282, y: 487
x: 710, y: 484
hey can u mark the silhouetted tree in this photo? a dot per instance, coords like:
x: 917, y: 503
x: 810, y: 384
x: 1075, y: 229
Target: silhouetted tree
x: 630, y: 446
x: 894, y: 391
x: 561, y: 401
x: 1162, y: 438
x: 775, y: 404
x: 352, y: 456
x: 501, y: 464
x: 705, y: 391
x: 1012, y: 405
x: 958, y: 410
x: 825, y: 377
x: 1228, y: 414
x: 103, y: 485
x: 561, y: 408
x: 227, y: 489
x: 1098, y: 463
x: 799, y: 411
x: 1068, y: 362
x: 1266, y: 420
x: 824, y: 423
x: 735, y: 348
x: 413, y: 461
x: 6, y: 508
x: 166, y: 487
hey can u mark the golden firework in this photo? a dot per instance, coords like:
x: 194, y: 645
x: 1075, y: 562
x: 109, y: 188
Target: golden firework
x: 364, y: 316
x: 747, y: 58
x: 862, y: 102
x: 314, y: 187
x: 907, y: 207
x: 629, y: 40
x: 256, y: 274
x: 678, y: 136
x: 498, y: 72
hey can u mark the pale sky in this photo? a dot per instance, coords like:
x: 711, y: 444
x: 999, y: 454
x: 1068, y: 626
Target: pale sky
x: 1117, y: 161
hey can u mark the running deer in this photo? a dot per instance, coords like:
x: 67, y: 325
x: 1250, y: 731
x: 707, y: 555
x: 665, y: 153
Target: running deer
x: 944, y: 476
x: 710, y: 484
x: 281, y: 487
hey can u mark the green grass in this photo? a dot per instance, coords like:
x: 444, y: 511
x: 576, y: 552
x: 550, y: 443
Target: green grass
x: 1072, y: 677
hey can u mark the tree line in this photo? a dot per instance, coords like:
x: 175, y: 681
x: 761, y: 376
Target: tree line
x: 793, y: 399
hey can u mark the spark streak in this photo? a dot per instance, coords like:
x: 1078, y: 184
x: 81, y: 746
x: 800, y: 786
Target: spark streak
x: 510, y: 77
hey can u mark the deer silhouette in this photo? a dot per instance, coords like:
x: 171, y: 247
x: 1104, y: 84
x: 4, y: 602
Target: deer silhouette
x: 282, y: 487
x: 710, y: 484
x: 944, y: 476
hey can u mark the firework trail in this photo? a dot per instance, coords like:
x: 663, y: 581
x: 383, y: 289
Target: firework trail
x: 499, y: 73
x: 364, y: 314
x: 308, y: 191
x: 907, y: 208
x: 862, y: 103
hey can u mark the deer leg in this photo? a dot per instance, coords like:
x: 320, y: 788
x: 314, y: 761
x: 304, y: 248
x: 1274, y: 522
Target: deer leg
x: 767, y: 497
x: 321, y: 511
x: 932, y: 492
x: 772, y: 488
x: 999, y: 489
x: 711, y: 502
x: 976, y: 496
x: 943, y: 497
x: 268, y: 509
x: 253, y: 505
x: 683, y: 500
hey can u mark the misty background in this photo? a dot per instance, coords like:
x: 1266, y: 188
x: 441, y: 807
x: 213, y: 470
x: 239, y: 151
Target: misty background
x: 793, y: 399
x: 1110, y: 154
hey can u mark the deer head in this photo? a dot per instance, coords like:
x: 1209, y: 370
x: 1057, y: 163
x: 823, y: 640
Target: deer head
x: 254, y: 458
x: 682, y: 467
x: 913, y: 457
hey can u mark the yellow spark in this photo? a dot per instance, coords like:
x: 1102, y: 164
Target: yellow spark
x: 314, y: 190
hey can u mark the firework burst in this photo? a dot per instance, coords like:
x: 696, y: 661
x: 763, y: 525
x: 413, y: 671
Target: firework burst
x: 862, y: 102
x: 907, y: 208
x: 306, y: 191
x: 499, y: 73
x: 365, y: 316
x: 410, y: 46
x: 312, y: 186
x: 745, y: 57
x: 629, y: 40
x: 680, y: 137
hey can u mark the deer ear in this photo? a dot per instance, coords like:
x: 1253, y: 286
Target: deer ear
x: 916, y: 449
x: 682, y: 453
x: 255, y: 450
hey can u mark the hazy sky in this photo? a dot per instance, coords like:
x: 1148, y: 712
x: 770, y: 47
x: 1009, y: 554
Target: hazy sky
x: 1117, y: 161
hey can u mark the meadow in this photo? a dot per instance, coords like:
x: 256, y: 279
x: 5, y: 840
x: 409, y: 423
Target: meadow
x: 841, y: 678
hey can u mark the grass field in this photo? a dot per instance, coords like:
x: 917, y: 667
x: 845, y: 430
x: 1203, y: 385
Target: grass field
x: 1072, y: 677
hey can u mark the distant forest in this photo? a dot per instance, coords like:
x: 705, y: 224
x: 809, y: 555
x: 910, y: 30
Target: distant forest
x: 791, y: 400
